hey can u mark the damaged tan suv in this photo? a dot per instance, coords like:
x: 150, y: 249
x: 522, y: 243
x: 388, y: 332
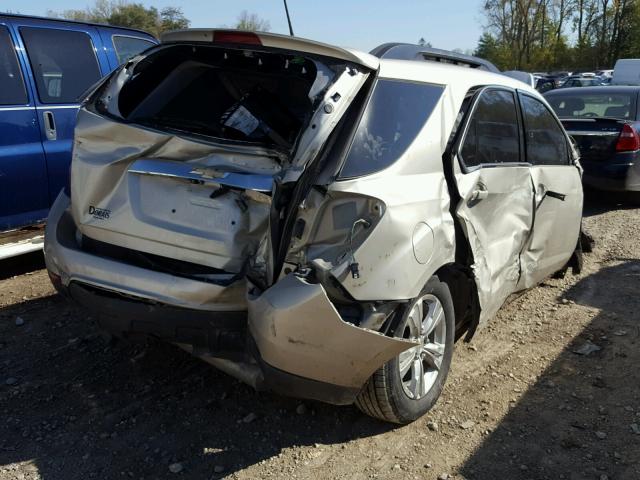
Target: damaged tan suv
x: 313, y: 220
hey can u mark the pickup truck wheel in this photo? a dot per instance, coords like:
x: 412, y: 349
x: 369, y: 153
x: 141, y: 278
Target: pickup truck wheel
x: 406, y: 387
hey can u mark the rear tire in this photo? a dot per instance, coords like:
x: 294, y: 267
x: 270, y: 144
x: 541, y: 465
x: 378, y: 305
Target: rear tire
x: 395, y: 394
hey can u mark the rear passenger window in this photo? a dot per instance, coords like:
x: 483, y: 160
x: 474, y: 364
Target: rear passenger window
x: 64, y: 63
x: 12, y: 90
x: 492, y: 134
x: 395, y: 114
x: 544, y: 138
x: 127, y: 47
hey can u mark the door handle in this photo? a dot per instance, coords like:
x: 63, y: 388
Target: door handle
x: 544, y: 193
x: 50, y: 125
x: 559, y: 196
x: 479, y: 194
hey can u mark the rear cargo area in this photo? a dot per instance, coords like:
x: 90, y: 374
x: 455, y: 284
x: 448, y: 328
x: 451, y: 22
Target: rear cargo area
x: 238, y: 95
x: 175, y: 157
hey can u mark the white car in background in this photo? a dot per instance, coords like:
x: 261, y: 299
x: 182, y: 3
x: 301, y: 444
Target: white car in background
x: 313, y: 220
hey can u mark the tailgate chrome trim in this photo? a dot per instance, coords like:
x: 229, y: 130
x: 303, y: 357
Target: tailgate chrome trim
x: 202, y: 174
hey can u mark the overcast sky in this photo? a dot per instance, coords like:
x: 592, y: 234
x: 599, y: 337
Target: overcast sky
x: 360, y: 24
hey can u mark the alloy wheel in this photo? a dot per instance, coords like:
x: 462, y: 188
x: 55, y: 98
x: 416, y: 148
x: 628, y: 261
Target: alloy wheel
x: 419, y: 366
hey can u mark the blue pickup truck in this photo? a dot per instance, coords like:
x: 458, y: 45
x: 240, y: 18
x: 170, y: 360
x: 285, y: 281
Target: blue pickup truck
x: 45, y: 66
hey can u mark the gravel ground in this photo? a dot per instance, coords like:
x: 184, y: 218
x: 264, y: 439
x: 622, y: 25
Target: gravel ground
x: 550, y: 389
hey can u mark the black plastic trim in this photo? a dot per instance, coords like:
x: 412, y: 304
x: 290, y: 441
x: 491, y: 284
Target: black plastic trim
x: 221, y: 334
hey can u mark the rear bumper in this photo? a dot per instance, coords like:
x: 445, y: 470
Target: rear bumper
x: 291, y: 339
x: 616, y: 177
x: 220, y: 338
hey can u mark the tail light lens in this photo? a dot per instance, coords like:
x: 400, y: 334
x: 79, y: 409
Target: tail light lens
x: 628, y: 141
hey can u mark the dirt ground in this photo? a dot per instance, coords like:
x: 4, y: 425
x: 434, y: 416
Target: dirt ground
x: 520, y: 403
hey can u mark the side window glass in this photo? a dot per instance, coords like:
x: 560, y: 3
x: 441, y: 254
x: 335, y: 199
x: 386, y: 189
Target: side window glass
x: 394, y: 116
x: 64, y: 63
x: 127, y: 47
x: 12, y: 89
x: 492, y: 133
x: 545, y: 140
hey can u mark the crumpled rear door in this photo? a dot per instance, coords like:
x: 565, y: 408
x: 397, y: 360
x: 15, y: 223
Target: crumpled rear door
x: 496, y: 211
x: 558, y: 194
x: 556, y: 225
x: 494, y: 183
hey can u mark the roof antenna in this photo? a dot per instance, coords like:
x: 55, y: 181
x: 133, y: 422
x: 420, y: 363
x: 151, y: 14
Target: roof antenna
x: 286, y: 9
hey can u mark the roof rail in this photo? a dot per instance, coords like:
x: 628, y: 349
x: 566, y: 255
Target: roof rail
x: 407, y: 51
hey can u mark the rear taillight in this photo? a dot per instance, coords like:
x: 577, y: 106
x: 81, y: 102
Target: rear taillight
x: 247, y: 38
x: 628, y: 141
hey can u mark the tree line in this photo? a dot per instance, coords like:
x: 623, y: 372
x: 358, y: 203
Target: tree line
x: 123, y: 13
x: 532, y: 35
x: 545, y: 35
x: 126, y: 14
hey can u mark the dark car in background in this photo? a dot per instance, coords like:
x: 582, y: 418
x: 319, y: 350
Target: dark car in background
x: 544, y: 84
x: 604, y: 122
x: 581, y: 81
x: 45, y: 66
x: 559, y: 77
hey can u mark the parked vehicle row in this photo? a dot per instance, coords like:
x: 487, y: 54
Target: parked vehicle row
x: 626, y: 72
x: 604, y: 122
x: 45, y: 66
x: 547, y: 82
x: 313, y: 220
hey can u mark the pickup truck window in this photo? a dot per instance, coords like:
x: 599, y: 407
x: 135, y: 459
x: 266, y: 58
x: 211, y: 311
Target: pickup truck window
x: 128, y: 47
x: 64, y: 63
x: 12, y: 90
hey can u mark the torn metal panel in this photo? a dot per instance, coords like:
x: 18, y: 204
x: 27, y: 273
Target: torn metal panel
x: 394, y: 224
x: 496, y: 214
x: 298, y: 330
x: 335, y: 103
x: 556, y: 227
x: 397, y: 257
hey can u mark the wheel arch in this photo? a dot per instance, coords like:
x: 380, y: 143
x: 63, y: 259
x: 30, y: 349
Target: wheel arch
x: 464, y: 293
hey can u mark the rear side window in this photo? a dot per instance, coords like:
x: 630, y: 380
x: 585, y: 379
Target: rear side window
x: 64, y: 63
x: 127, y: 47
x: 492, y: 133
x: 545, y: 140
x: 12, y: 90
x: 395, y: 114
